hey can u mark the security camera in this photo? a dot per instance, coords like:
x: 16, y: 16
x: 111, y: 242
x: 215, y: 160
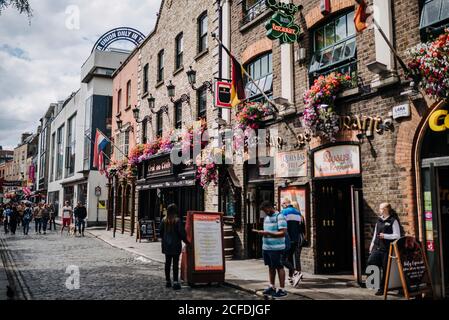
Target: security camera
x: 388, y: 124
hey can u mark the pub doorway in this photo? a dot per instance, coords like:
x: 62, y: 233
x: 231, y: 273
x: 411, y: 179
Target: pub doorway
x: 434, y: 156
x: 338, y: 211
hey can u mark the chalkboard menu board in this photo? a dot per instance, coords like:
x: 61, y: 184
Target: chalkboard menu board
x: 409, y: 256
x: 147, y: 230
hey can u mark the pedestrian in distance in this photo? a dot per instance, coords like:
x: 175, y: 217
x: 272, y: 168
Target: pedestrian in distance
x: 27, y: 218
x: 20, y: 210
x: 274, y: 245
x: 2, y: 217
x: 172, y: 234
x: 80, y: 213
x: 294, y: 220
x: 45, y: 217
x: 302, y: 239
x: 38, y: 218
x: 14, y: 217
x: 53, y: 213
x: 6, y: 216
x: 67, y: 214
x: 387, y: 230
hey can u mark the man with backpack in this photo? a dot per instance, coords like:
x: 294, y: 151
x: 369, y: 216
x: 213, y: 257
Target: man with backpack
x: 296, y: 235
x: 27, y: 218
x: 274, y: 246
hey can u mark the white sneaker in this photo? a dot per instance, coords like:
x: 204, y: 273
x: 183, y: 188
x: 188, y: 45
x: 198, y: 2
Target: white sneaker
x: 297, y: 278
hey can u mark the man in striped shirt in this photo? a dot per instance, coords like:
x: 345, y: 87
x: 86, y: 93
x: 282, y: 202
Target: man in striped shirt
x: 275, y: 228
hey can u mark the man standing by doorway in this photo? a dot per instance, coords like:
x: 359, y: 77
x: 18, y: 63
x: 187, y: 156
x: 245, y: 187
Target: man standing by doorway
x: 67, y: 213
x: 80, y: 213
x: 274, y: 233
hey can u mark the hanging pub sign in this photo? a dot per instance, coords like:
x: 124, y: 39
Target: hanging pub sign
x: 408, y: 268
x: 160, y: 166
x: 291, y: 164
x: 282, y: 24
x: 223, y: 94
x: 337, y: 161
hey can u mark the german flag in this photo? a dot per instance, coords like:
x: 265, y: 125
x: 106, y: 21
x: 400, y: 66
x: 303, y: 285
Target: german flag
x: 238, y: 83
x: 361, y: 16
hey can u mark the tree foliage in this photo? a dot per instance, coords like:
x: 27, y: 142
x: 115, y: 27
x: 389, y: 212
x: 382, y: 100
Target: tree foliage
x: 22, y: 6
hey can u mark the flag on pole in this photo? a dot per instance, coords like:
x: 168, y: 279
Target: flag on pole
x: 238, y: 86
x: 101, y: 163
x: 361, y: 16
x: 100, y: 144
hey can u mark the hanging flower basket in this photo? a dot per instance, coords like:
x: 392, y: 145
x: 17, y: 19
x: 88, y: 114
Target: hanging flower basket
x: 136, y: 153
x: 208, y: 165
x: 319, y: 116
x: 251, y: 115
x: 429, y: 66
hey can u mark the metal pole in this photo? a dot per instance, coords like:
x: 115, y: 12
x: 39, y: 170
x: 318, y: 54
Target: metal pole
x: 98, y: 210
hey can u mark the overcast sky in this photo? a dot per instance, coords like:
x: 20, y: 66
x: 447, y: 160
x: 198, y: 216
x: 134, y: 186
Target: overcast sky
x: 40, y: 60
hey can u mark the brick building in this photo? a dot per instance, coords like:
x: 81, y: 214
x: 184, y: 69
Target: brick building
x: 384, y: 159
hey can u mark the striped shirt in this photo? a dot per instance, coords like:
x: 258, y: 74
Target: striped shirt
x: 274, y: 223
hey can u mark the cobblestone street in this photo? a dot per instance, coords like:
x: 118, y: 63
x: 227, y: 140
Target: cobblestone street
x: 105, y: 272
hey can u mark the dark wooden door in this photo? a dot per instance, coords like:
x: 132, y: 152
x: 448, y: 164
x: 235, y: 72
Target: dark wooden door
x: 333, y: 203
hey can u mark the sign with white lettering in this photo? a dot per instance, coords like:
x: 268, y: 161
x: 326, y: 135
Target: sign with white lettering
x: 337, y: 161
x: 123, y: 33
x: 291, y: 164
x: 402, y: 111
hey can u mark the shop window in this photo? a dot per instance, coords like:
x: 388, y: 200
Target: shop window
x: 160, y: 66
x: 202, y: 103
x: 179, y: 51
x: 202, y: 32
x: 261, y: 70
x: 60, y: 151
x: 178, y: 115
x: 435, y: 16
x: 252, y: 9
x: 145, y: 78
x: 71, y: 144
x: 334, y: 47
x: 159, y: 124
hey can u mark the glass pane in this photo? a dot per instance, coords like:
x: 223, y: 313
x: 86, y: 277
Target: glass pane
x: 257, y: 70
x: 431, y: 12
x: 315, y: 64
x: 327, y: 57
x: 350, y: 24
x: 329, y: 34
x: 444, y: 10
x: 319, y: 39
x: 269, y: 83
x: 349, y: 49
x: 250, y: 3
x: 204, y: 25
x: 270, y: 63
x: 338, y: 52
x: 340, y: 29
x: 264, y: 62
x: 262, y: 83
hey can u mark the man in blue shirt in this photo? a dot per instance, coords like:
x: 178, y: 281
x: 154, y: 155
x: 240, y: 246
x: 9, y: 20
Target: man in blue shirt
x: 275, y: 229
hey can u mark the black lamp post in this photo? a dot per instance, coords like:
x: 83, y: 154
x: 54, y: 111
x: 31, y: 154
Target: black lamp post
x: 191, y: 76
x: 119, y: 123
x: 171, y: 90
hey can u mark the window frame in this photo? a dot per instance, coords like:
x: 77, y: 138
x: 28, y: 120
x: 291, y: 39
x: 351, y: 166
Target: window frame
x: 179, y: 51
x: 145, y: 82
x: 128, y: 94
x: 203, y: 42
x: 119, y: 101
x: 267, y: 77
x: 159, y: 124
x: 201, y: 93
x: 177, y: 112
x: 160, y: 65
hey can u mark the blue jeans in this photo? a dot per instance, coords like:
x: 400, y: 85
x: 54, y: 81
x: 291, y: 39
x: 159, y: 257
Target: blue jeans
x: 38, y: 224
x: 26, y: 226
x: 81, y: 225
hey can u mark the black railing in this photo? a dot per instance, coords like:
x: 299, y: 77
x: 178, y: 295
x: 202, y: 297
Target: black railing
x: 253, y: 12
x: 347, y: 68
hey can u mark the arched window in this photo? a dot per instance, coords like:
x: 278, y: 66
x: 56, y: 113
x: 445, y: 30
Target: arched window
x: 261, y: 70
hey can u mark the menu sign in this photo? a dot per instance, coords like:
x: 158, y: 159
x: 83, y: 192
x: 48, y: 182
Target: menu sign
x: 337, y: 161
x: 208, y: 242
x: 291, y: 164
x: 409, y: 255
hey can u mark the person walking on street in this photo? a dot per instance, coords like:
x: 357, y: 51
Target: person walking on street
x: 13, y: 220
x: 53, y: 214
x: 38, y: 218
x: 387, y: 230
x: 6, y: 215
x: 45, y: 217
x: 27, y: 218
x: 172, y: 234
x: 274, y: 245
x: 67, y: 214
x: 20, y: 210
x: 293, y: 218
x: 80, y: 213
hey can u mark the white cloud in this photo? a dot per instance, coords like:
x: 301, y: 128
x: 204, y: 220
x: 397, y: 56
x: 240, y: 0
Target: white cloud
x: 40, y: 61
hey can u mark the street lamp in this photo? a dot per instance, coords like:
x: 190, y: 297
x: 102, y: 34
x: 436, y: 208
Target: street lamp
x: 119, y: 123
x: 191, y: 76
x: 171, y: 91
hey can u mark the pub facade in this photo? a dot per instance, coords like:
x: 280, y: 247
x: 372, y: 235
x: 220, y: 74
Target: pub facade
x: 382, y: 149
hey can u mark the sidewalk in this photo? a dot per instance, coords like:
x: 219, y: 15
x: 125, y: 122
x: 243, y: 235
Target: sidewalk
x: 3, y: 277
x: 251, y: 275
